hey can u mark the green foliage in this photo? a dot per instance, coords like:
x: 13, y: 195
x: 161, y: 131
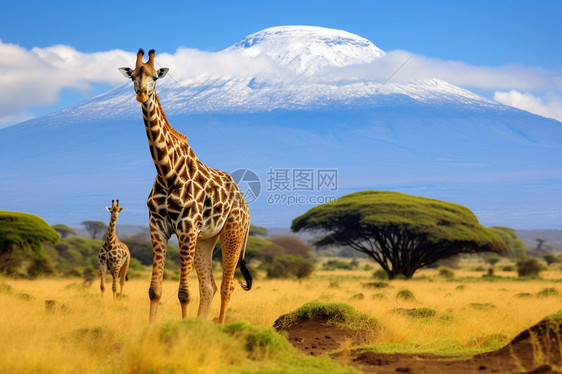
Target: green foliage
x: 492, y: 259
x: 484, y: 307
x: 405, y: 294
x: 293, y: 245
x: 545, y: 292
x: 21, y: 244
x: 257, y: 231
x: 286, y: 266
x: 260, y: 342
x: 550, y: 258
x: 445, y: 272
x: 140, y: 247
x: 335, y: 314
x: 258, y: 349
x: 508, y: 268
x: 529, y: 267
x: 515, y: 246
x: 77, y: 252
x: 406, y: 231
x: 380, y: 274
x: 64, y: 230
x: 255, y: 246
x: 339, y: 264
x: 417, y: 312
x: 5, y: 288
x: 96, y: 229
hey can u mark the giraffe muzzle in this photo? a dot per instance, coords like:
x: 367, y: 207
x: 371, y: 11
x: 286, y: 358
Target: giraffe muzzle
x: 142, y: 98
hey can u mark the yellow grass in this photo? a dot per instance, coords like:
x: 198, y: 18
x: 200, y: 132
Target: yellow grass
x: 92, y: 335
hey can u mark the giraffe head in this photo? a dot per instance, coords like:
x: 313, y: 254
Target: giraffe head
x: 144, y: 75
x: 115, y: 209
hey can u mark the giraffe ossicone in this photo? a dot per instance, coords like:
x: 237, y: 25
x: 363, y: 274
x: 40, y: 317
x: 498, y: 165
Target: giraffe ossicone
x: 114, y: 255
x: 197, y: 203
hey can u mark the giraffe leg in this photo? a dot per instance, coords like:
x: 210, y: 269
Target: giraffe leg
x: 101, y: 268
x: 187, y: 238
x: 204, y: 267
x: 159, y: 243
x: 123, y: 274
x: 115, y: 273
x: 232, y: 240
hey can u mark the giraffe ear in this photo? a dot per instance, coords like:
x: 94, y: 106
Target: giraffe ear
x: 121, y: 209
x: 162, y: 72
x: 108, y: 208
x: 126, y: 72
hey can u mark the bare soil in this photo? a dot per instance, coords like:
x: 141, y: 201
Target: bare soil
x: 535, y: 350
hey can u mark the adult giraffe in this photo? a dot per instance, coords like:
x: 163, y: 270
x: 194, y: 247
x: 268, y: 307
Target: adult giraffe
x: 197, y: 203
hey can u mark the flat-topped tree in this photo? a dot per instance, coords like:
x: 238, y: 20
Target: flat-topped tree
x: 402, y: 233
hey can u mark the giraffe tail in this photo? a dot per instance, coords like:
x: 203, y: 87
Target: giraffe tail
x: 243, y: 267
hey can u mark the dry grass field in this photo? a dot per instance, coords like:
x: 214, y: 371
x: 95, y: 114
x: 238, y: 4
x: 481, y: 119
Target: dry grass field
x: 86, y: 334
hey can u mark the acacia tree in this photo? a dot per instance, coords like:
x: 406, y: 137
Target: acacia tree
x: 94, y: 228
x: 64, y: 230
x: 515, y: 246
x: 21, y: 240
x: 402, y: 233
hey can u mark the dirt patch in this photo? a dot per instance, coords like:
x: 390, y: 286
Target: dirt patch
x: 536, y: 350
x: 316, y: 337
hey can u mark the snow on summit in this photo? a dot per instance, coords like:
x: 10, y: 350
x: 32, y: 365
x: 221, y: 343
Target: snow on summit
x: 285, y: 67
x: 307, y: 49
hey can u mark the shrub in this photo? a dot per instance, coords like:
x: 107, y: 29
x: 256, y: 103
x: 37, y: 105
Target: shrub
x: 529, y: 267
x: 286, y: 266
x: 508, y: 268
x: 405, y: 294
x: 482, y: 306
x: 336, y: 314
x: 358, y: 296
x: 380, y: 274
x: 545, y: 292
x: 445, y: 272
x: 339, y: 264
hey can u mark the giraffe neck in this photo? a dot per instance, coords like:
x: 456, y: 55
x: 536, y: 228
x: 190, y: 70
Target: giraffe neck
x: 167, y: 146
x: 110, y: 236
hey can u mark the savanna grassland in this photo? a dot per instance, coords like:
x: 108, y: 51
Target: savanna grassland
x: 467, y: 314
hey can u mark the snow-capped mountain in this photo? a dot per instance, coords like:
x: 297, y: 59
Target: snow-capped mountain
x: 296, y: 67
x: 307, y: 49
x: 287, y: 101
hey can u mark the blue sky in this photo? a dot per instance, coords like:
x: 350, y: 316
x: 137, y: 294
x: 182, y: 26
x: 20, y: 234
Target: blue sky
x: 519, y: 37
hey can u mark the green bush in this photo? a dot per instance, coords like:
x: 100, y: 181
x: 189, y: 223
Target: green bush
x: 445, y: 272
x: 405, y: 294
x: 545, y: 292
x: 336, y: 314
x: 529, y: 267
x: 380, y: 274
x: 340, y: 265
x: 287, y: 266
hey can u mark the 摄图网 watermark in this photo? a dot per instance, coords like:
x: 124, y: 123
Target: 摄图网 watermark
x: 289, y: 186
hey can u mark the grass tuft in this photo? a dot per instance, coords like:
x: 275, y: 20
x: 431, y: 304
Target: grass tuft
x: 405, y: 294
x: 335, y: 314
x: 545, y: 292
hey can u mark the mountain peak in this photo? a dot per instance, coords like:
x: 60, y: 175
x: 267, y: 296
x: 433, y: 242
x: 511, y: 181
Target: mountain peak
x: 308, y: 49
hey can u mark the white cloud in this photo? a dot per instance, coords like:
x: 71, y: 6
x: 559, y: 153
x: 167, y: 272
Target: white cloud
x: 550, y: 106
x: 35, y: 78
x: 31, y: 78
x: 457, y: 72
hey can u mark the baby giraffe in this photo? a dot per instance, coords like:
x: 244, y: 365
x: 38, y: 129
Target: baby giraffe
x: 114, y: 255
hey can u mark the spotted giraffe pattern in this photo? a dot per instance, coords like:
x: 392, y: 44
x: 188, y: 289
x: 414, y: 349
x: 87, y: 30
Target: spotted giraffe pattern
x: 197, y: 203
x: 114, y: 254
